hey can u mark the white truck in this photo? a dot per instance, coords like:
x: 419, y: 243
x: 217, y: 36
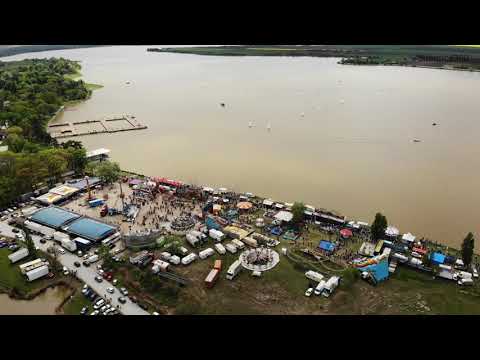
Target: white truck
x: 29, y: 266
x: 37, y: 273
x: 313, y: 275
x: 462, y: 275
x: 206, y: 253
x: 166, y: 256
x: 465, y: 282
x: 330, y: 286
x: 189, y: 258
x: 238, y: 244
x: 415, y: 261
x: 183, y: 250
x: 320, y: 287
x: 59, y: 236
x: 220, y: 249
x: 234, y: 269
x: 192, y: 240
x: 175, y: 260
x: 232, y: 249
x: 18, y: 255
x: 92, y: 259
x: 445, y: 272
x: 216, y: 235
x: 68, y: 244
x: 400, y: 258
x: 160, y: 265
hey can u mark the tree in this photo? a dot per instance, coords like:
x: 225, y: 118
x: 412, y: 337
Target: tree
x: 467, y: 249
x: 29, y: 242
x: 379, y: 226
x: 298, y: 211
x: 108, y: 171
x: 106, y: 256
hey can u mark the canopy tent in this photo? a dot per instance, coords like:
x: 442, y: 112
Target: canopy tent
x: 392, y: 231
x: 165, y: 181
x: 326, y: 245
x: 437, y: 258
x: 285, y: 216
x: 134, y: 182
x: 267, y: 202
x: 420, y: 251
x: 346, y: 233
x: 408, y: 237
x: 49, y: 198
x: 244, y: 205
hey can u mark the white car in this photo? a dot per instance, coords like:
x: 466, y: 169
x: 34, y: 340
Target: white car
x: 417, y: 255
x: 110, y: 290
x: 309, y: 292
x: 61, y: 251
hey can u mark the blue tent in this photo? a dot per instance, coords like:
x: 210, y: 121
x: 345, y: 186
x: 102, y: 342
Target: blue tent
x: 212, y: 224
x: 437, y: 258
x: 90, y: 229
x: 326, y: 245
x: 53, y: 217
x: 379, y: 271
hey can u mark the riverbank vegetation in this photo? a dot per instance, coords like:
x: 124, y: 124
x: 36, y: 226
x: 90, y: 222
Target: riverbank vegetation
x: 439, y: 56
x: 31, y: 93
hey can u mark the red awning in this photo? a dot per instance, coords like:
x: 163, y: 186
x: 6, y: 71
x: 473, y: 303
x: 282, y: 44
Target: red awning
x: 165, y: 181
x: 420, y: 250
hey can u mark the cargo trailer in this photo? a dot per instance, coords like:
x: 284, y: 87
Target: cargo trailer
x: 220, y: 248
x: 211, y: 278
x: 234, y: 269
x: 37, y: 273
x: 206, y: 253
x: 231, y: 248
x: 18, y: 255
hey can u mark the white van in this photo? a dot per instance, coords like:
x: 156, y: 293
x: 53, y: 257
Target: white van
x: 320, y: 287
x: 231, y: 248
x: 465, y: 282
x: 220, y: 249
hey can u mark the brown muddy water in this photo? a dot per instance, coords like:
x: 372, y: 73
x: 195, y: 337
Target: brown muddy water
x: 43, y: 304
x: 341, y: 136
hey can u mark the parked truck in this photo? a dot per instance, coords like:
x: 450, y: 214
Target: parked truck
x: 232, y: 249
x: 96, y: 202
x: 217, y: 265
x: 92, y: 259
x: 82, y: 244
x: 160, y: 265
x: 69, y: 245
x: 313, y: 275
x: 330, y: 286
x: 234, y: 269
x: 320, y: 287
x: 189, y: 258
x: 250, y: 241
x: 220, y: 248
x: 216, y: 235
x: 31, y: 265
x: 58, y: 236
x: 175, y: 260
x: 18, y: 255
x: 211, y: 278
x: 206, y: 253
x: 238, y: 244
x: 37, y: 273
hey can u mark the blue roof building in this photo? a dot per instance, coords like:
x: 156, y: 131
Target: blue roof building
x: 90, y: 229
x: 53, y: 217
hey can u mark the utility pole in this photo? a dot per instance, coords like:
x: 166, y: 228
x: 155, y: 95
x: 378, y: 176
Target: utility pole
x: 88, y: 189
x: 122, y: 196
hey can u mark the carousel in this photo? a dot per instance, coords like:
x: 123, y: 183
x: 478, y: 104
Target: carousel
x: 181, y: 225
x: 259, y: 259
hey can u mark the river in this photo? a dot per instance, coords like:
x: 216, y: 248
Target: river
x: 341, y: 136
x: 43, y: 304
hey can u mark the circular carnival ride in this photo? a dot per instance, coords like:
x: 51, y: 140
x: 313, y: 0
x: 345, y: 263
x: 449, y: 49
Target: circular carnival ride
x: 259, y: 259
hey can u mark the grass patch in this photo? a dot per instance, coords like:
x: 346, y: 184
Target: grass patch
x: 75, y: 305
x: 11, y: 277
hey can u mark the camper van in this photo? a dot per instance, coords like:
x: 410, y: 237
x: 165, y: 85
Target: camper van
x: 313, y: 275
x: 220, y: 249
x: 238, y: 244
x: 216, y: 235
x: 231, y: 248
x: 206, y: 253
x: 189, y: 259
x: 234, y: 269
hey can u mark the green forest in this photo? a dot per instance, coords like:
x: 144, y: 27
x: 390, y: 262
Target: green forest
x: 31, y: 92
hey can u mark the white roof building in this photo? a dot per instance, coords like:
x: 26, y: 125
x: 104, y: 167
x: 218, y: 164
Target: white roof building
x: 267, y: 202
x: 392, y: 231
x: 98, y: 152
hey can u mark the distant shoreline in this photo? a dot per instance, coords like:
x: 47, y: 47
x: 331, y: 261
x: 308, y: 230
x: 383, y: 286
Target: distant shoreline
x: 6, y: 51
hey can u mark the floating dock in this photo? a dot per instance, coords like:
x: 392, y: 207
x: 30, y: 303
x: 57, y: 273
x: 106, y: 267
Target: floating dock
x: 108, y: 124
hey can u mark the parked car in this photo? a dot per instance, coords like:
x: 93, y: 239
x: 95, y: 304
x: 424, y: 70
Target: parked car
x: 122, y: 300
x: 143, y: 306
x: 115, y: 282
x: 86, y: 263
x: 77, y: 264
x: 133, y: 299
x: 65, y: 271
x: 98, y: 279
x: 99, y: 303
x: 61, y: 251
x: 110, y: 290
x: 43, y: 241
x: 96, y: 312
x: 84, y: 310
x: 309, y: 292
x: 13, y: 247
x: 16, y: 231
x: 124, y: 291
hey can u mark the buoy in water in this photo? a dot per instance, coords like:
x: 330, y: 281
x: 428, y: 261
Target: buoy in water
x: 222, y: 104
x: 434, y: 124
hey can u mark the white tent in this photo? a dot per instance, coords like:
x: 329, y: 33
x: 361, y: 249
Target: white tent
x: 392, y: 231
x: 408, y: 237
x: 284, y: 216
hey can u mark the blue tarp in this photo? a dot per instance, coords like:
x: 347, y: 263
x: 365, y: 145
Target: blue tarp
x: 437, y: 258
x: 212, y: 224
x: 90, y: 229
x: 326, y: 245
x: 53, y: 217
x: 276, y: 231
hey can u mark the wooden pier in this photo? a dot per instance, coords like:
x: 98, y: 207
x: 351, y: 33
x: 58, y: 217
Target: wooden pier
x: 109, y: 124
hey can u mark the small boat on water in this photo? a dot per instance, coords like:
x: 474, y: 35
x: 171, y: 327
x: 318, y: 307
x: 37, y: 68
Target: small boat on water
x: 269, y: 127
x: 222, y: 104
x: 416, y: 140
x: 434, y: 124
x: 250, y: 124
x: 342, y: 101
x: 302, y: 114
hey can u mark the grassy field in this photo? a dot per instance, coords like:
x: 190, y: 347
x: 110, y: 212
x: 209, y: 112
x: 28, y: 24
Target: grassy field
x: 73, y: 306
x: 11, y: 277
